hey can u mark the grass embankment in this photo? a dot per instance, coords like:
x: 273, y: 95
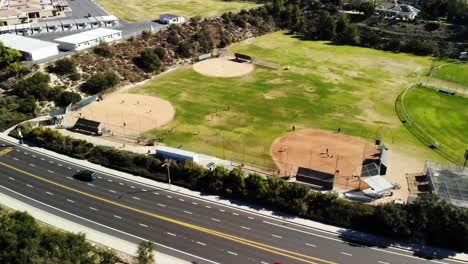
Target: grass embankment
x: 327, y: 87
x: 149, y: 10
x: 443, y: 117
x: 456, y: 73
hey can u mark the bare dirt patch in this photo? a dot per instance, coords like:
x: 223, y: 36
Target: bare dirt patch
x: 128, y: 114
x: 223, y: 67
x: 308, y: 148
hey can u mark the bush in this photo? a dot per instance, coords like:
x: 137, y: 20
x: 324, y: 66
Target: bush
x: 63, y: 67
x: 104, y: 50
x: 100, y: 82
x: 161, y: 52
x: 148, y: 60
x: 67, y: 98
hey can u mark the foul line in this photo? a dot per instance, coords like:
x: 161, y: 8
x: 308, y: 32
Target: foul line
x: 265, y: 247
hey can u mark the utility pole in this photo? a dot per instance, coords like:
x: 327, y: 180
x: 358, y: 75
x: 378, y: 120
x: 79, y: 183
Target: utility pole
x: 167, y: 164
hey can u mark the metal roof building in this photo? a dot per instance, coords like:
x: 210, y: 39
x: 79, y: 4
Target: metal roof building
x: 32, y: 49
x: 88, y: 39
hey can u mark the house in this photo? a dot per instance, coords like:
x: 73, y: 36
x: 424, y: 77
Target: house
x: 88, y: 39
x: 171, y: 19
x: 32, y: 49
x: 395, y: 10
x: 19, y: 11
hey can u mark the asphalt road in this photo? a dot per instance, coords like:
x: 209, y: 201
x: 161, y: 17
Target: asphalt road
x: 186, y: 227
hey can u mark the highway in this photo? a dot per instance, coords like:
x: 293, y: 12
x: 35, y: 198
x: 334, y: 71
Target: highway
x: 187, y: 227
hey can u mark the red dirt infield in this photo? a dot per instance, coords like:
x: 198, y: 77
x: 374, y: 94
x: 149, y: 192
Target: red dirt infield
x: 308, y: 148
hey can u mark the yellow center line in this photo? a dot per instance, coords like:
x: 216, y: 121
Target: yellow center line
x: 265, y: 247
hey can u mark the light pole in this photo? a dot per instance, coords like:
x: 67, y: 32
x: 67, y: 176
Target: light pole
x: 167, y: 164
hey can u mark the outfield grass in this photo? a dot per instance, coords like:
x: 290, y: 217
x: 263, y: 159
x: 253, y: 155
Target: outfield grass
x: 456, y: 73
x: 149, y: 10
x: 326, y: 87
x: 443, y: 117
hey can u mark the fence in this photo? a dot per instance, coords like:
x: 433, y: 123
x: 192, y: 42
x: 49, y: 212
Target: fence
x: 265, y: 63
x: 420, y: 133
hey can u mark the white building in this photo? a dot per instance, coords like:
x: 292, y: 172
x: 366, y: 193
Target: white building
x: 32, y: 49
x: 88, y: 39
x: 171, y: 19
x: 395, y: 10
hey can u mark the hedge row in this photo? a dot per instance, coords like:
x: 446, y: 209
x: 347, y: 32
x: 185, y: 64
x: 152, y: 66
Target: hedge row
x: 428, y: 220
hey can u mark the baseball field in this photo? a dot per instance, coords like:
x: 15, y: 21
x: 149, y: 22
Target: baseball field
x: 443, y: 117
x: 149, y: 10
x: 325, y: 87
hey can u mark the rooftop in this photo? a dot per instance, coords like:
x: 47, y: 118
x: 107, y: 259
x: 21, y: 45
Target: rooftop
x: 449, y: 182
x: 88, y: 35
x: 24, y: 44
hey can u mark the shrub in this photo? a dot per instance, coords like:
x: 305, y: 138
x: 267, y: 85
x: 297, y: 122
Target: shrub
x: 63, y: 67
x: 66, y: 98
x: 100, y: 82
x: 148, y: 61
x: 104, y: 50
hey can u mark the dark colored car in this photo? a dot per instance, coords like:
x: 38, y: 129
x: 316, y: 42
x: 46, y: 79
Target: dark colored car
x: 85, y: 175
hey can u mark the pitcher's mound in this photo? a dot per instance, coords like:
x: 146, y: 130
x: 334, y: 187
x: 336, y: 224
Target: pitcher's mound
x: 223, y: 67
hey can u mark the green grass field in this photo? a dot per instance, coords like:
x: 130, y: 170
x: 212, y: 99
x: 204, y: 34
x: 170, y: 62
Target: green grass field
x: 327, y: 87
x: 149, y: 10
x: 456, y: 73
x: 443, y: 117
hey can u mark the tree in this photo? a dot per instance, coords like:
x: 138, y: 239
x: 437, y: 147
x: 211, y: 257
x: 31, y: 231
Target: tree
x: 66, y: 98
x: 107, y: 256
x: 148, y: 60
x: 161, y: 52
x: 256, y: 187
x: 8, y: 56
x: 349, y: 36
x: 368, y: 8
x: 234, y: 184
x: 27, y: 105
x: 104, y: 50
x: 145, y: 252
x: 100, y: 82
x: 326, y: 27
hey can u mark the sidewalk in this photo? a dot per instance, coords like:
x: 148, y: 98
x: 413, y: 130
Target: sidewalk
x: 339, y: 232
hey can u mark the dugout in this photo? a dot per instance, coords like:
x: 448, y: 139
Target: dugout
x: 87, y: 126
x: 318, y: 178
x: 243, y: 57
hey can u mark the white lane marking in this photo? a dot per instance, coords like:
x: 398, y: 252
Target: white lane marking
x: 310, y: 245
x: 273, y: 235
x: 235, y: 214
x: 207, y: 206
x: 42, y: 159
x: 90, y: 184
x: 133, y: 187
x: 49, y: 193
x: 110, y: 228
x: 171, y: 234
x: 18, y: 150
x: 156, y: 193
x: 70, y: 201
x: 32, y: 165
x: 99, y: 177
x: 33, y: 156
x: 29, y: 185
x: 169, y: 196
x: 15, y: 158
x: 109, y: 180
x: 60, y: 165
x: 346, y: 254
x: 69, y: 178
x: 222, y: 210
x: 121, y: 183
x: 232, y: 253
x: 200, y: 243
x: 136, y: 198
x: 11, y: 178
x: 181, y: 200
x: 51, y: 161
x: 69, y: 168
x: 382, y: 262
x: 263, y: 262
x: 50, y: 171
x: 92, y: 208
x: 187, y: 212
x: 244, y: 227
x: 112, y: 191
x: 214, y: 219
x: 25, y: 153
x: 194, y: 203
x: 143, y: 190
x: 118, y: 217
x: 162, y: 205
x: 143, y: 225
x: 305, y: 232
x: 251, y: 218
